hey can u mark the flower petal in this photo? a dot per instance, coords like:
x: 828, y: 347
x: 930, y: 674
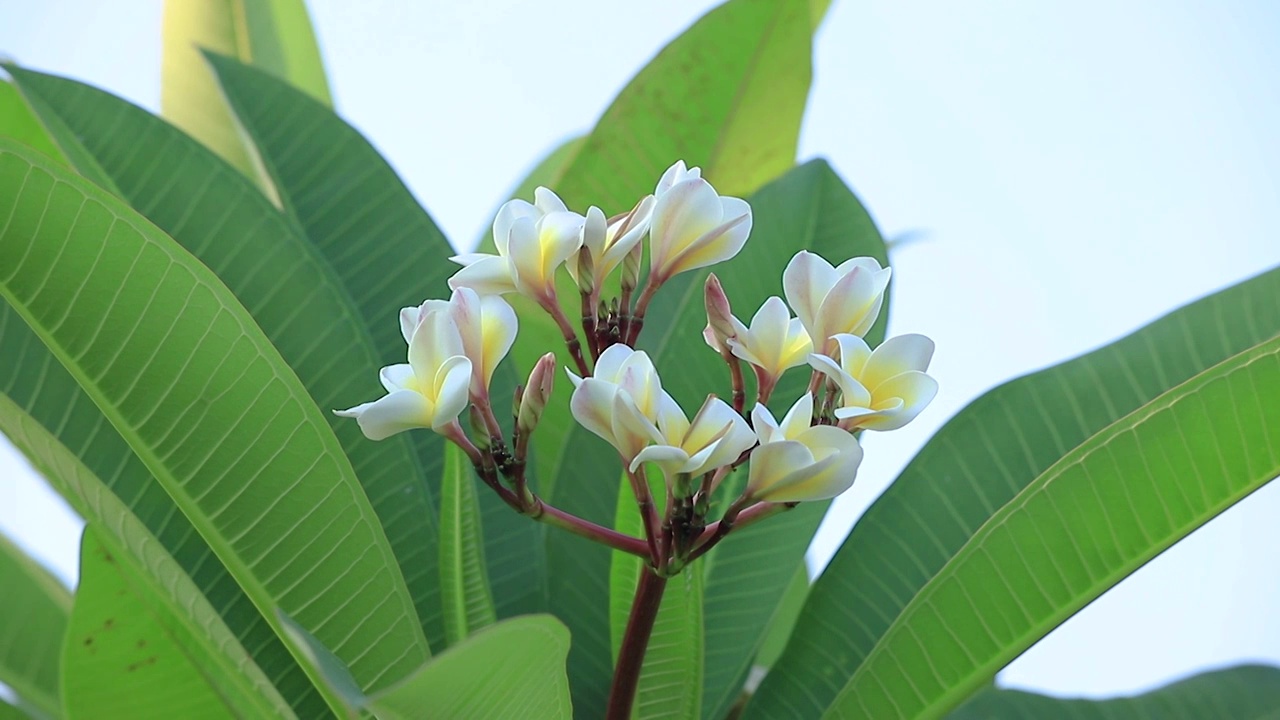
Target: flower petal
x: 592, y: 406
x: 546, y: 201
x: 394, y: 413
x: 434, y: 341
x: 669, y: 458
x: 805, y: 283
x: 720, y: 244
x: 452, y: 390
x: 398, y: 377
x: 683, y: 213
x: 899, y: 354
x: 507, y: 215
x: 916, y: 391
x: 488, y: 276
x: 798, y: 417
x: 609, y: 366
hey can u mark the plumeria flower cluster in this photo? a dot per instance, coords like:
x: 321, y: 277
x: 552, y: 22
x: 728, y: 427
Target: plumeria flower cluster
x: 544, y: 248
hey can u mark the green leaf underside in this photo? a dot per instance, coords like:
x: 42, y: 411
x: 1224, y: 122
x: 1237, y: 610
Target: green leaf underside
x: 468, y: 602
x: 274, y: 35
x: 1245, y: 692
x: 671, y: 676
x: 33, y: 618
x: 120, y: 660
x: 1095, y: 516
x: 388, y: 254
x: 186, y: 377
x: 514, y: 669
x: 984, y: 459
x: 218, y: 216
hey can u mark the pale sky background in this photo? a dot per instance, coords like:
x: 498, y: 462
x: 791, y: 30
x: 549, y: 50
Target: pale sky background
x: 1079, y: 168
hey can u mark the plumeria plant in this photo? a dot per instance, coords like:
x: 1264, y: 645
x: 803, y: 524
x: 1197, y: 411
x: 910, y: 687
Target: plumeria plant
x: 588, y: 473
x: 812, y: 454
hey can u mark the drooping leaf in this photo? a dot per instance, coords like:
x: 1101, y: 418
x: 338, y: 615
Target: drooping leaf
x: 671, y: 676
x: 1095, y: 516
x: 810, y: 207
x: 274, y: 35
x: 191, y: 383
x: 468, y: 602
x: 388, y: 254
x: 33, y: 620
x: 264, y: 259
x: 1245, y: 692
x: 978, y: 463
x: 128, y: 655
x: 156, y: 582
x: 514, y: 669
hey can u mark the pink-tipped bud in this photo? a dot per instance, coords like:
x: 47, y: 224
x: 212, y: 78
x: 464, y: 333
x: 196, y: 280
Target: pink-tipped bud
x: 719, y: 315
x: 536, y: 394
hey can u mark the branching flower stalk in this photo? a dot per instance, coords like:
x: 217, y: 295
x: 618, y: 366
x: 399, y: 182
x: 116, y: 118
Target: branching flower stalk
x: 810, y: 454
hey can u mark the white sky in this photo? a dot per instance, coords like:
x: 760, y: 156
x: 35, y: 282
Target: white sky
x: 1079, y: 169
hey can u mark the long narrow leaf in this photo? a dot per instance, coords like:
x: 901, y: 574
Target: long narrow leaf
x: 33, y: 620
x: 1246, y: 692
x: 468, y: 602
x: 219, y: 217
x: 1098, y: 514
x: 976, y: 464
x: 190, y: 382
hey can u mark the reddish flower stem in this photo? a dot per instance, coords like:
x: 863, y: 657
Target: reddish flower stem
x: 626, y: 674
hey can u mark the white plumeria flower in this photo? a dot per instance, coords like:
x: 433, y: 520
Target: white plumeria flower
x: 487, y: 326
x: 796, y: 462
x: 609, y: 242
x: 773, y: 344
x: 675, y: 174
x: 624, y: 403
x: 427, y: 392
x: 884, y: 389
x: 834, y: 300
x: 533, y: 240
x: 694, y: 227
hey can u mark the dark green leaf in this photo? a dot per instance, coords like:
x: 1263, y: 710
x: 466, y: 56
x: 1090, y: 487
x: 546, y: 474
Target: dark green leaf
x: 468, y: 602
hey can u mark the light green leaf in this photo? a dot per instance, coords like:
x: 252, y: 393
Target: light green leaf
x: 127, y: 655
x: 274, y: 35
x: 190, y: 382
x: 514, y: 669
x: 148, y: 582
x: 468, y: 602
x: 273, y: 270
x: 784, y: 619
x: 979, y: 462
x: 671, y: 675
x: 18, y: 122
x: 388, y: 254
x: 10, y: 712
x: 1098, y: 514
x: 33, y: 620
x: 1246, y: 692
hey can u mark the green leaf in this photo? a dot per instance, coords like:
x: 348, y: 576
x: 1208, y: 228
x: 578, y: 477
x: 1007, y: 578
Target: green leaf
x: 468, y: 602
x: 784, y: 619
x: 195, y: 388
x: 514, y: 669
x: 978, y: 463
x: 156, y: 584
x: 128, y: 656
x: 809, y: 207
x: 1098, y: 514
x: 19, y: 123
x: 671, y: 675
x: 33, y: 620
x: 274, y: 271
x: 274, y: 35
x: 10, y: 712
x: 1245, y: 692
x: 388, y: 254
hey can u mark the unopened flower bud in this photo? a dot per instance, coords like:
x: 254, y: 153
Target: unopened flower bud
x: 536, y: 394
x: 515, y: 401
x: 479, y: 429
x: 586, y: 272
x: 631, y: 268
x: 719, y: 316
